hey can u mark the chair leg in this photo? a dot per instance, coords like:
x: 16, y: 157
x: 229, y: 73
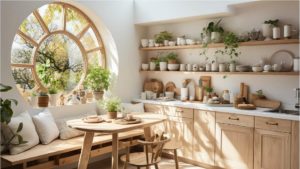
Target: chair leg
x: 176, y: 159
x: 156, y: 166
x: 138, y: 167
x: 125, y: 165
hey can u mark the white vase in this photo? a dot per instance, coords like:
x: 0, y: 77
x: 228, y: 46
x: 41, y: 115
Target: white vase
x: 216, y: 37
x: 184, y: 94
x: 214, y: 67
x: 208, y: 67
x: 267, y: 31
x: 152, y: 66
x: 144, y: 43
x: 162, y: 66
x: 151, y: 42
x: 276, y: 33
x: 53, y: 99
x: 232, y: 67
x: 222, y: 67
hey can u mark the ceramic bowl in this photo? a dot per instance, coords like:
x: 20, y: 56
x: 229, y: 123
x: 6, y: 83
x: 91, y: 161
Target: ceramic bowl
x: 169, y: 95
x: 173, y: 67
x: 172, y: 43
x: 145, y: 66
x: 243, y: 68
x: 257, y: 69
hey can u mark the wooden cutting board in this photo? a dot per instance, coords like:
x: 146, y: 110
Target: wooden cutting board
x: 154, y: 85
x: 170, y: 87
x: 272, y: 104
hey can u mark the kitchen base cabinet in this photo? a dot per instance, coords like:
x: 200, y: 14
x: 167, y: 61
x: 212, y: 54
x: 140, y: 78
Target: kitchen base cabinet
x: 204, y: 137
x: 234, y: 148
x: 295, y: 146
x: 155, y: 108
x: 271, y: 150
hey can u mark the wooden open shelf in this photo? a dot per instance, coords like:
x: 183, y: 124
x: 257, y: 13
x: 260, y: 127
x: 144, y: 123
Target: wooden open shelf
x: 228, y: 73
x: 217, y: 45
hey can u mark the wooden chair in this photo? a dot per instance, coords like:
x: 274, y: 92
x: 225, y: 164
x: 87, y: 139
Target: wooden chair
x: 150, y: 156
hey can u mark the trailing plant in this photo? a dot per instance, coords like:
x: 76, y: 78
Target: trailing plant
x: 164, y: 35
x: 97, y: 79
x: 112, y: 104
x: 272, y: 22
x: 6, y: 115
x: 231, y: 43
x: 52, y: 90
x: 213, y: 27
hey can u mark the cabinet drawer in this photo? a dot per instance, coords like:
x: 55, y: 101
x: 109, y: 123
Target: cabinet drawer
x: 236, y: 119
x: 178, y: 112
x: 273, y: 124
x: 154, y: 108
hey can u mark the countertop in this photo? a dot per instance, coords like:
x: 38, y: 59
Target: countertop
x: 262, y: 112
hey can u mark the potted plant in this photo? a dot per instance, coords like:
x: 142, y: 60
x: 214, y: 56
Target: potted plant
x: 53, y: 92
x: 111, y: 106
x: 43, y: 99
x: 33, y: 99
x: 6, y: 115
x: 231, y: 45
x: 172, y: 58
x: 267, y: 28
x: 154, y: 63
x: 98, y: 79
x: 214, y: 31
x: 163, y: 63
x: 163, y: 38
x: 209, y: 90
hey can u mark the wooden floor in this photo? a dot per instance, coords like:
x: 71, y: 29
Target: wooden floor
x: 164, y: 164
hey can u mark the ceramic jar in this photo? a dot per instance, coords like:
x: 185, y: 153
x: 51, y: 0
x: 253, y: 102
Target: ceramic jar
x: 276, y: 68
x: 267, y: 68
x: 152, y: 66
x: 208, y: 67
x: 267, y: 31
x: 232, y: 67
x: 145, y: 66
x: 214, y: 67
x: 287, y: 31
x: 182, y: 67
x: 144, y: 43
x: 189, y: 67
x: 222, y: 67
x: 166, y: 42
x: 216, y: 37
x: 183, y: 94
x: 276, y: 33
x: 162, y: 66
x: 151, y: 43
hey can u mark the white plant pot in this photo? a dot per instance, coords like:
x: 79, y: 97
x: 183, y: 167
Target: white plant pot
x: 33, y: 101
x: 166, y: 42
x: 276, y: 33
x: 144, y: 43
x: 162, y: 66
x: 184, y: 94
x: 222, y: 67
x: 152, y: 66
x: 151, y: 43
x: 216, y: 37
x: 232, y: 67
x: 145, y: 66
x: 53, y: 99
x: 214, y: 67
x: 267, y: 31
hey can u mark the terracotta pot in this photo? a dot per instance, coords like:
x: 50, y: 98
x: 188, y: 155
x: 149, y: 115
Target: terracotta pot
x: 112, y: 115
x: 43, y: 101
x: 98, y: 95
x: 172, y: 61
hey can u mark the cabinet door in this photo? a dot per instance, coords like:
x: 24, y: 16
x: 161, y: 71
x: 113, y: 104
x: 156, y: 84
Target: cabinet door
x: 181, y: 130
x: 204, y: 137
x: 155, y: 108
x: 234, y: 148
x: 272, y: 150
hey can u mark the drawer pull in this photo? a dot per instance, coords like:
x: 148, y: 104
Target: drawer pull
x: 272, y: 123
x: 233, y: 118
x: 179, y: 111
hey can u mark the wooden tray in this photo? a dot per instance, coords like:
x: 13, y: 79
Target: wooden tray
x: 124, y: 122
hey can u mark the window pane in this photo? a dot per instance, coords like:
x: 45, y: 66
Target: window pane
x: 31, y: 27
x: 21, y: 51
x: 94, y: 59
x: 52, y: 15
x: 75, y: 21
x: 59, y: 63
x: 23, y: 78
x: 89, y: 40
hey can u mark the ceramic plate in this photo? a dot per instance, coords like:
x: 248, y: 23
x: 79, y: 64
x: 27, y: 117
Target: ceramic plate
x: 284, y: 58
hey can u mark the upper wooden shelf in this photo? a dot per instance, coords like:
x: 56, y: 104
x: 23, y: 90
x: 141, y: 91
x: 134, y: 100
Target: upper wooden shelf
x: 217, y: 45
x: 228, y: 73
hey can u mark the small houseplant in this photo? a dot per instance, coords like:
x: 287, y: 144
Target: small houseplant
x: 111, y: 106
x: 43, y: 99
x: 172, y: 58
x: 53, y: 92
x: 6, y: 115
x: 154, y: 63
x: 98, y: 79
x: 215, y: 31
x: 267, y: 28
x: 231, y: 42
x: 163, y: 37
x: 163, y: 63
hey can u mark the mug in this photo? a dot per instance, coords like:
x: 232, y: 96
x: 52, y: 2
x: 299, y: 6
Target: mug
x: 182, y: 67
x: 151, y: 43
x: 195, y: 67
x: 188, y: 67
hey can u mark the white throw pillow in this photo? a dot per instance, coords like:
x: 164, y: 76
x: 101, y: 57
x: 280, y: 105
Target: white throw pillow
x: 133, y: 108
x: 28, y: 133
x: 45, y: 127
x: 66, y: 132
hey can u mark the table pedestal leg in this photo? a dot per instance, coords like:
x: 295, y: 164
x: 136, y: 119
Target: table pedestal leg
x: 147, y: 133
x: 115, y: 149
x: 85, y: 150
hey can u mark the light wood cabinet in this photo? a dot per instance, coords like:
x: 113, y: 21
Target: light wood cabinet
x: 295, y: 149
x: 271, y: 150
x: 204, y: 137
x: 159, y: 109
x: 234, y: 145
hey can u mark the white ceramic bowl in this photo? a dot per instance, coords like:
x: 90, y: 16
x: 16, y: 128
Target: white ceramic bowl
x: 145, y: 66
x: 173, y: 67
x: 257, y: 69
x: 169, y: 95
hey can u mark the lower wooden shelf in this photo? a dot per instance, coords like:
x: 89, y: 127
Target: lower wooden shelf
x: 228, y: 73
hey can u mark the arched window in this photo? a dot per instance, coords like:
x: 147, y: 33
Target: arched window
x: 54, y: 47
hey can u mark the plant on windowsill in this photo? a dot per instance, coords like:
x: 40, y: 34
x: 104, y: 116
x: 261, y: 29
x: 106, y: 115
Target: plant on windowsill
x: 6, y: 115
x: 53, y: 92
x: 163, y: 38
x: 98, y: 79
x: 43, y: 99
x: 111, y: 106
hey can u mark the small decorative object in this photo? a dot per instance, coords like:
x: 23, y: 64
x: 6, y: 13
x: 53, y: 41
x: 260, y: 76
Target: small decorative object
x: 162, y: 66
x: 172, y: 43
x: 232, y: 66
x: 43, y: 99
x: 214, y: 66
x: 215, y: 31
x: 276, y: 33
x: 179, y: 39
x: 201, y: 68
x: 172, y: 58
x: 222, y: 67
x: 151, y: 42
x: 53, y: 96
x: 243, y: 68
x: 74, y: 99
x: 208, y: 67
x: 143, y: 96
x: 149, y: 95
x: 173, y: 67
x: 162, y: 36
x: 170, y: 95
x: 267, y: 68
x: 257, y: 68
x: 296, y: 67
x: 182, y: 67
x: 195, y: 67
x: 112, y: 106
x: 83, y: 100
x: 276, y: 68
x: 287, y: 31
x: 183, y: 94
x: 166, y: 42
x: 152, y: 66
x: 267, y: 28
x: 61, y: 100
x: 156, y: 44
x: 189, y: 67
x: 254, y: 35
x: 144, y: 43
x: 33, y: 99
x: 145, y: 66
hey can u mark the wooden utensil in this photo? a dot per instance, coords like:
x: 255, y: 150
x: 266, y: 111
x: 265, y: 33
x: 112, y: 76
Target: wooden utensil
x: 246, y: 106
x: 272, y: 104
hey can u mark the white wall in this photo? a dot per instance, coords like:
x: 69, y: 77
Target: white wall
x: 245, y: 18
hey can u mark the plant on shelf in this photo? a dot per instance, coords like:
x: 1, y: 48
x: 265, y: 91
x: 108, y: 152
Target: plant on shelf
x: 209, y: 90
x: 272, y: 22
x: 112, y: 106
x: 98, y: 79
x: 163, y: 63
x: 6, y: 115
x: 162, y: 36
x: 154, y: 63
x: 172, y: 58
x: 214, y: 31
x: 231, y: 43
x: 43, y: 99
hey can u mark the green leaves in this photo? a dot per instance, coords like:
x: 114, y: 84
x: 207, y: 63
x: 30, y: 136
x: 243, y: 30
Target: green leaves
x: 98, y: 78
x: 20, y: 127
x: 4, y: 88
x: 5, y: 105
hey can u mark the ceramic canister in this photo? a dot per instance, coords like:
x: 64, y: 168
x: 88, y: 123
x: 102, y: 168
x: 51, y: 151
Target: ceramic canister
x: 183, y: 94
x: 287, y: 31
x: 276, y: 33
x: 182, y: 67
x: 296, y: 64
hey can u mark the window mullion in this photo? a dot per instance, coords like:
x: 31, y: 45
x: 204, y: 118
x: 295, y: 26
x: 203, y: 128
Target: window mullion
x: 41, y: 21
x: 65, y: 17
x: 22, y: 65
x: 82, y: 32
x: 27, y: 38
x: 93, y: 50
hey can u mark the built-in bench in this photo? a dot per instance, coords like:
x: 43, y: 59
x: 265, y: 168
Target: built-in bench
x: 63, y: 152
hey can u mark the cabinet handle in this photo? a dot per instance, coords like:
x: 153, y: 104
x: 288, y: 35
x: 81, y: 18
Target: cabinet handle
x: 233, y: 118
x: 272, y: 123
x: 179, y: 111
